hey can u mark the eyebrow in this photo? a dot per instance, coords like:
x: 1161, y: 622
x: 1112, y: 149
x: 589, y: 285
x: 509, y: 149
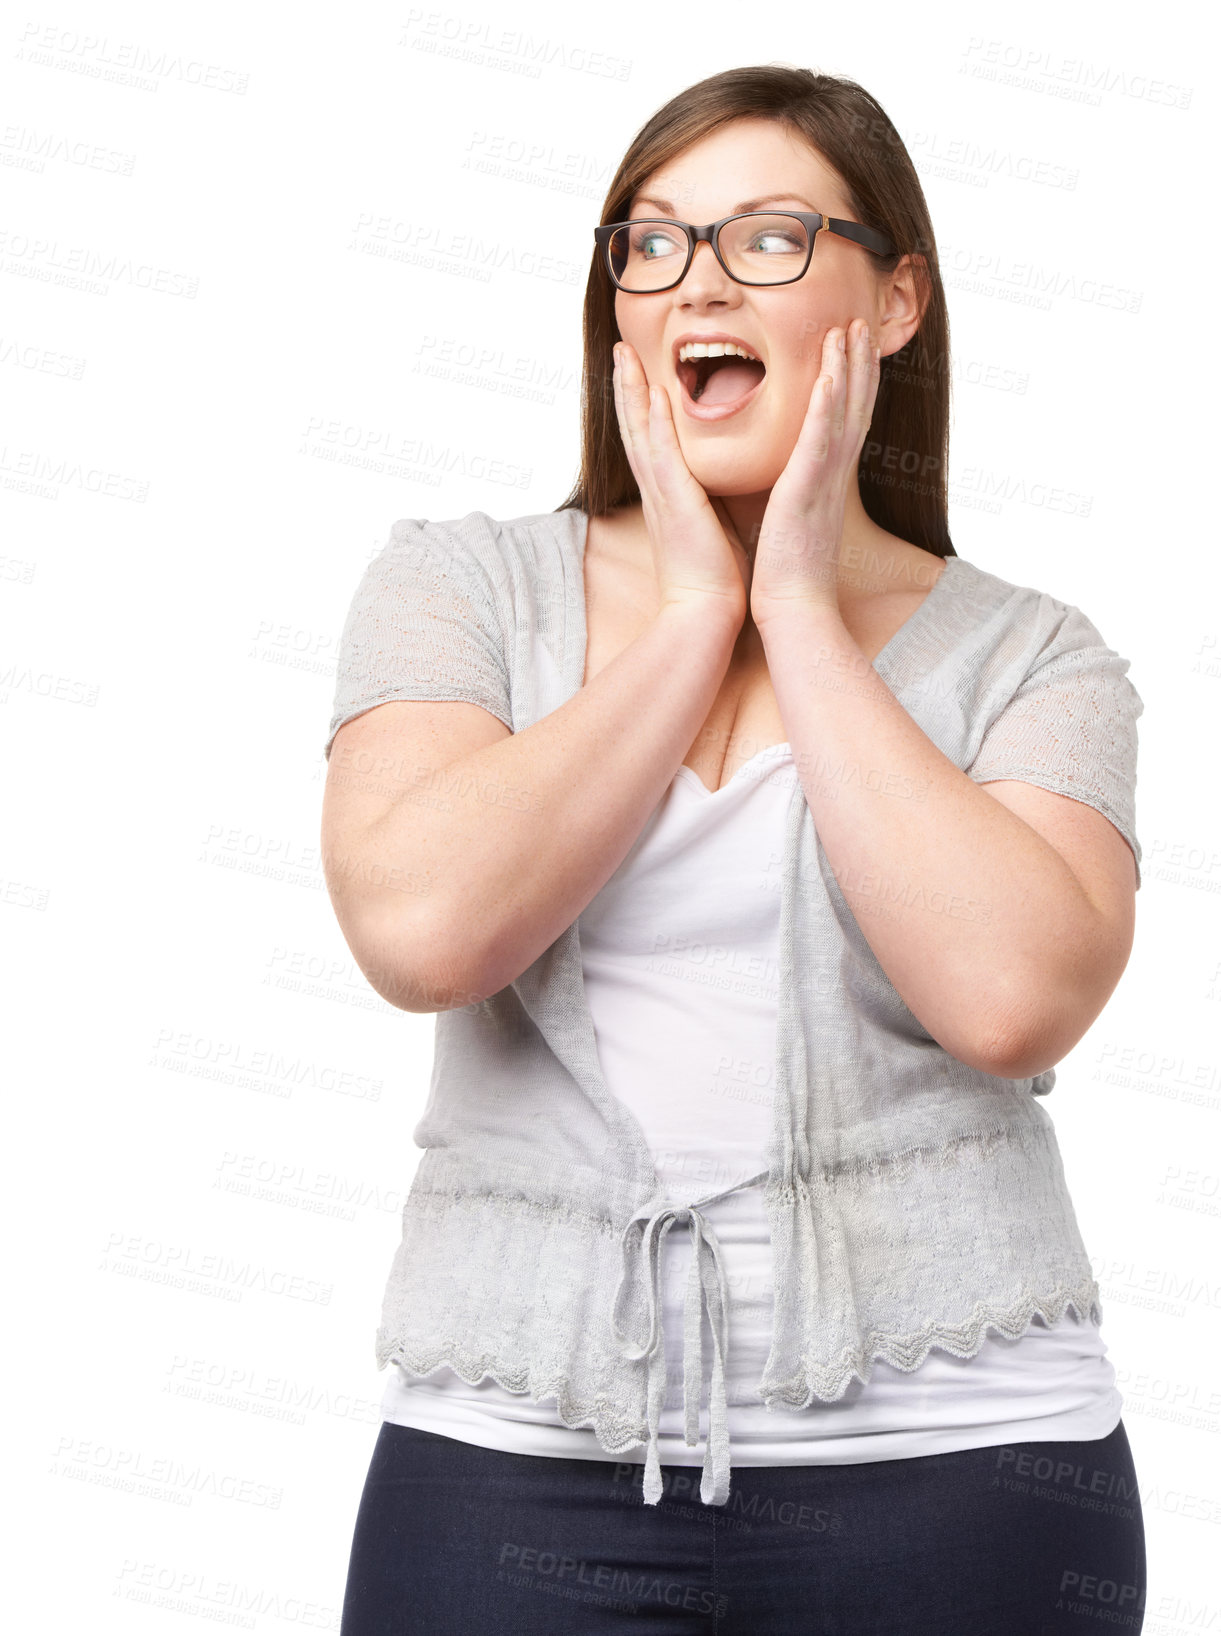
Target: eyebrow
x: 747, y: 204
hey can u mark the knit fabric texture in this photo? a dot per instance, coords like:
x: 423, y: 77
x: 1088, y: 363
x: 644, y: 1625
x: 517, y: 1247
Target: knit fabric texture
x: 913, y: 1201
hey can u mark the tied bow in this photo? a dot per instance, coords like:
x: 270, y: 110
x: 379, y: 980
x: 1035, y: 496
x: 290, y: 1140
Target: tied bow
x: 641, y: 1243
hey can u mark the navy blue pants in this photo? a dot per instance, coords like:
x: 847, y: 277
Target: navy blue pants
x: 1018, y: 1539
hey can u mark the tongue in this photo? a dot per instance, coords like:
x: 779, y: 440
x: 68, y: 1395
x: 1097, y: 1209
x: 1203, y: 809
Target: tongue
x: 731, y: 380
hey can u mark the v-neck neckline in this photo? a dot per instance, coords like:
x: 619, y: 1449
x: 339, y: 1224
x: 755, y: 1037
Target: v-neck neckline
x: 884, y: 661
x: 768, y: 750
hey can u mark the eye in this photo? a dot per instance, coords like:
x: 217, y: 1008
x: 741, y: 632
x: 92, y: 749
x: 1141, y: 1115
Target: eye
x: 653, y: 242
x: 779, y: 240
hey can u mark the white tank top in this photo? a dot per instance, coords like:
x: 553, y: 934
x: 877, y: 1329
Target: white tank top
x: 680, y: 963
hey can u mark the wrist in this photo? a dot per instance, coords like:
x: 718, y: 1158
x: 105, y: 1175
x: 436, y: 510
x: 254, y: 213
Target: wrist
x: 701, y: 615
x: 805, y: 609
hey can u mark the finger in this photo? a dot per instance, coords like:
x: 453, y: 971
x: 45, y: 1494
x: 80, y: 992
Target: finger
x: 835, y: 364
x: 666, y: 473
x: 814, y: 439
x: 634, y: 398
x: 621, y: 410
x: 670, y: 470
x: 864, y: 372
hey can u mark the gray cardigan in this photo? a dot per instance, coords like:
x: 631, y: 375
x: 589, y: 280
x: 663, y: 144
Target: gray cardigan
x: 913, y: 1201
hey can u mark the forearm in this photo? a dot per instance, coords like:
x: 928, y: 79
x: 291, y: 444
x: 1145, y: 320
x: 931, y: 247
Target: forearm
x: 509, y: 844
x: 976, y: 919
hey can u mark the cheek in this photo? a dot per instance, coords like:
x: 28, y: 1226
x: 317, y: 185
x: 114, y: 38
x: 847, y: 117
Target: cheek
x: 798, y: 354
x: 632, y: 327
x: 646, y: 340
x: 793, y: 377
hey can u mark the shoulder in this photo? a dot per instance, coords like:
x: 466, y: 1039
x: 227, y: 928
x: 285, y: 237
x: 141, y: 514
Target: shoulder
x: 1022, y: 625
x: 984, y: 649
x: 498, y: 550
x: 515, y: 579
x: 1052, y: 693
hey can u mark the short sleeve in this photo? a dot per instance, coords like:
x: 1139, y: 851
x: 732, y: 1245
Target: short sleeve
x: 423, y: 624
x: 1071, y: 726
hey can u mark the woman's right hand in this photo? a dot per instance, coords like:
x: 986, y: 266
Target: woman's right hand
x: 697, y: 554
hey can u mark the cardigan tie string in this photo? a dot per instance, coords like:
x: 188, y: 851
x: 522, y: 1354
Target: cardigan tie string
x: 640, y: 1283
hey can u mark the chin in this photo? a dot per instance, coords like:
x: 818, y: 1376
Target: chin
x: 728, y: 478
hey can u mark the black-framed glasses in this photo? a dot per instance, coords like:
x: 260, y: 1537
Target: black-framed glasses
x: 758, y: 247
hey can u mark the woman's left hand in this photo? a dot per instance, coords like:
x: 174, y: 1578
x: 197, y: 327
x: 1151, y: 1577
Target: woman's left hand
x: 796, y: 561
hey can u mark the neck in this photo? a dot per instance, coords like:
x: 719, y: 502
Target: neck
x: 865, y: 549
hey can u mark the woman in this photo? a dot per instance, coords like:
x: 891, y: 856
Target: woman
x: 847, y: 825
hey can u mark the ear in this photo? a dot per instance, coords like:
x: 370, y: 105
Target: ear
x: 905, y: 296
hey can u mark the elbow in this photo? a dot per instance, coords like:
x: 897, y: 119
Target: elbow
x: 416, y: 968
x: 1018, y: 1059
x: 1038, y: 1011
x: 1022, y: 1044
x: 1003, y: 1057
x: 1034, y: 1025
x: 417, y: 990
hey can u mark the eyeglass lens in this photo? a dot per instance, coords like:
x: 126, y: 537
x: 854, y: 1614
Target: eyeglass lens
x: 758, y: 248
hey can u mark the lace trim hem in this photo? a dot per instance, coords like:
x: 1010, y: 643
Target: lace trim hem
x: 829, y: 1381
x: 617, y: 1431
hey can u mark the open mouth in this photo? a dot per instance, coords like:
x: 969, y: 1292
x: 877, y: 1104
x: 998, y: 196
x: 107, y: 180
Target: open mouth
x: 721, y: 383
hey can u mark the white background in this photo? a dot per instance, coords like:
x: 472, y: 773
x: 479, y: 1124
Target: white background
x: 223, y: 375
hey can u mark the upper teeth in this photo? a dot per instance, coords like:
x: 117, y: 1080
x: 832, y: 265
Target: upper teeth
x: 713, y: 349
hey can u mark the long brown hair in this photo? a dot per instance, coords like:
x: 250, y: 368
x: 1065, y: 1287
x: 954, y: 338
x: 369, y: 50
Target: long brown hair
x: 902, y: 470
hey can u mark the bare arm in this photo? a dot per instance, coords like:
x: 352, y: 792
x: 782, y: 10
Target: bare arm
x: 456, y: 852
x: 1004, y: 917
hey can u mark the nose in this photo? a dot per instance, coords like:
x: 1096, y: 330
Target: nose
x: 705, y: 276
